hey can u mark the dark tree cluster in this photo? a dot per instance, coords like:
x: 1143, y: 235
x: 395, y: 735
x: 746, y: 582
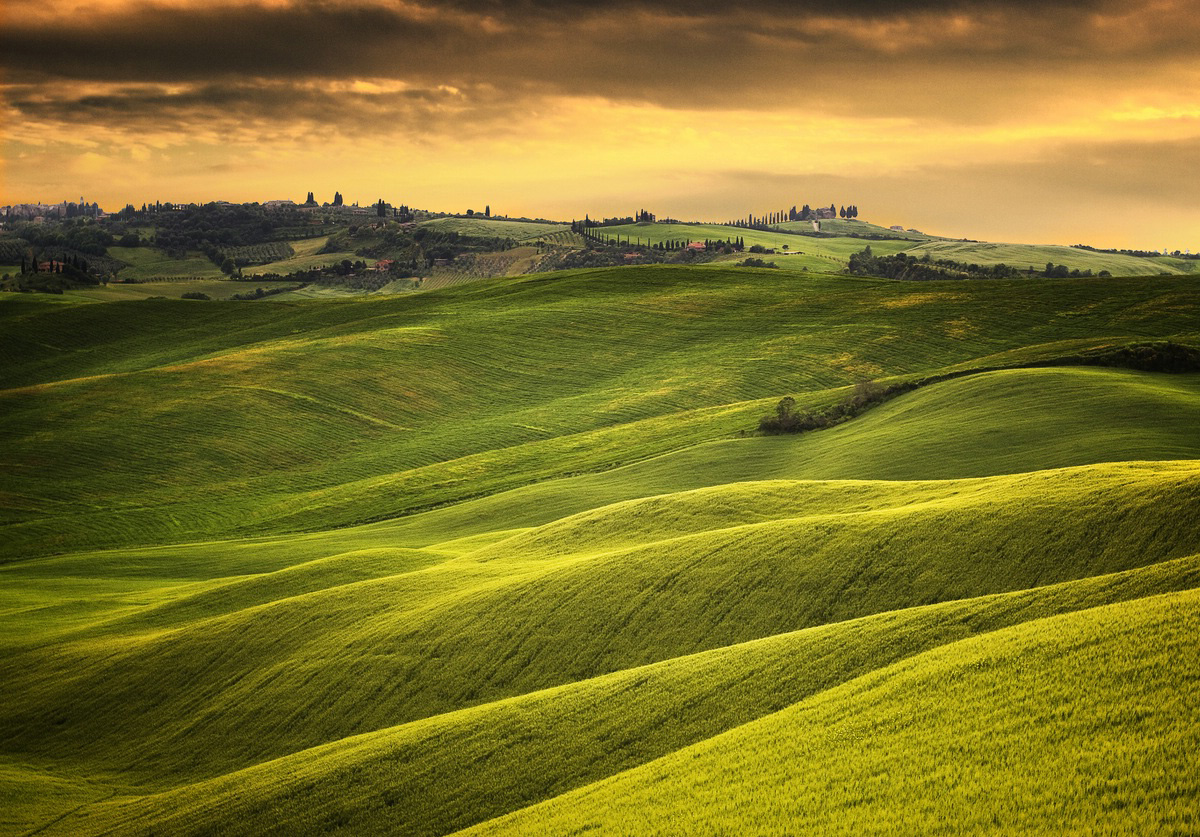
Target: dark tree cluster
x: 591, y: 233
x: 83, y: 236
x: 866, y: 394
x: 218, y: 225
x: 769, y: 220
x: 750, y: 262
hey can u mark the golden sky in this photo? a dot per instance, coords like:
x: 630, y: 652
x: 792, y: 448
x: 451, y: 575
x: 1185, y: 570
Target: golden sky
x: 1058, y: 121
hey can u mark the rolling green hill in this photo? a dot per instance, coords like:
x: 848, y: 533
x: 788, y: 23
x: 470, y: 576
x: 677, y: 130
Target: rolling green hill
x: 510, y: 555
x: 979, y: 734
x: 837, y: 226
x: 1023, y: 256
x: 488, y: 227
x: 815, y: 253
x: 825, y: 253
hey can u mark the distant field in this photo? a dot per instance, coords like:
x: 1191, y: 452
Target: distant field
x: 793, y: 260
x: 215, y: 288
x: 1023, y: 256
x: 331, y: 292
x: 839, y: 227
x: 145, y: 263
x: 514, y: 262
x: 822, y: 253
x: 306, y: 258
x: 520, y: 230
x: 837, y: 251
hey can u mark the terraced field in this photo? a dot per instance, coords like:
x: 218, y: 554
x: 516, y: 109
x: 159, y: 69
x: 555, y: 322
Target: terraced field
x: 509, y: 557
x: 306, y: 256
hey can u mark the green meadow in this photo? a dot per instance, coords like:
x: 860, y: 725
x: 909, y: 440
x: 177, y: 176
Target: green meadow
x: 215, y: 288
x: 147, y: 264
x: 1036, y: 256
x: 510, y: 556
x: 483, y: 227
x: 800, y: 250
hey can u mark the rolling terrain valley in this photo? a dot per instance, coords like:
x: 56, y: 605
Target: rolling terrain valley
x: 489, y: 551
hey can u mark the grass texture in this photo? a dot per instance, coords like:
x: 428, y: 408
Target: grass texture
x: 507, y: 556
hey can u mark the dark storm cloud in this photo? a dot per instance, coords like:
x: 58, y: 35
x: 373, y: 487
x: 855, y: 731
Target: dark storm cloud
x: 272, y: 107
x: 578, y: 47
x: 466, y: 60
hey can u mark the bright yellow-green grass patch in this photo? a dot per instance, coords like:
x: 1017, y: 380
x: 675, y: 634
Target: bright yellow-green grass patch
x: 515, y: 752
x: 1083, y: 722
x: 360, y: 639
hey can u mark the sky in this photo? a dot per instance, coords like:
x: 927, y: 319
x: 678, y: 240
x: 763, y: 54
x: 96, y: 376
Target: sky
x: 1042, y: 121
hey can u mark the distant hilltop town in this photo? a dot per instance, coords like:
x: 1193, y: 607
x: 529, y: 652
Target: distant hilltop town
x: 51, y: 211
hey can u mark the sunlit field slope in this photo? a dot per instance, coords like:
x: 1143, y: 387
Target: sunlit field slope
x: 512, y: 556
x: 797, y: 247
x: 1023, y: 256
x: 1082, y: 723
x: 157, y: 421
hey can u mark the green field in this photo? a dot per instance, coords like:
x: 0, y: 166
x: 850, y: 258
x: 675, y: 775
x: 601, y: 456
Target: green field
x: 118, y: 291
x: 498, y: 227
x: 1023, y: 256
x: 145, y: 263
x: 812, y: 252
x: 509, y: 555
x: 816, y: 253
x: 837, y: 226
x: 307, y: 256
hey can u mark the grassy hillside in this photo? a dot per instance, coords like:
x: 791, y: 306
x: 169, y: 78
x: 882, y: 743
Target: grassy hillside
x: 488, y: 227
x: 215, y: 288
x: 830, y: 253
x: 613, y: 367
x: 511, y: 555
x: 307, y: 256
x: 1023, y: 256
x: 978, y: 734
x: 507, y: 762
x: 818, y: 253
x: 837, y: 226
x: 146, y: 263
